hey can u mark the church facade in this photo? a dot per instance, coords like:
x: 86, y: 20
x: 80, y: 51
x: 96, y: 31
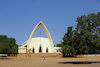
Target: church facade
x: 39, y: 44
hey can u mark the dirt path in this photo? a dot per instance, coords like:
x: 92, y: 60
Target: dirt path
x: 50, y: 62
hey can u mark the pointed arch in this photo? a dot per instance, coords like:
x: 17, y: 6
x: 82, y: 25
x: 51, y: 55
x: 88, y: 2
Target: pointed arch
x: 40, y: 49
x: 46, y: 50
x: 45, y: 30
x: 33, y: 50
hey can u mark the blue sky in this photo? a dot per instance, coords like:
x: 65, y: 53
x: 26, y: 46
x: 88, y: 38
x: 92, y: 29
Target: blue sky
x: 19, y: 17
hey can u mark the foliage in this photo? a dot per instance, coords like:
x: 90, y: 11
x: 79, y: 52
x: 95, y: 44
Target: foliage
x: 84, y: 39
x: 8, y: 45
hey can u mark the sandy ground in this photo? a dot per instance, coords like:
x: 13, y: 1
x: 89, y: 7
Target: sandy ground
x: 50, y: 62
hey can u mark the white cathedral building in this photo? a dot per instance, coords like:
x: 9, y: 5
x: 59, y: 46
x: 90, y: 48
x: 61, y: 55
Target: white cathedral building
x: 39, y: 44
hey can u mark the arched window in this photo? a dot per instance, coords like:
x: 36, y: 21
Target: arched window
x: 33, y: 50
x: 40, y: 50
x: 47, y: 50
x: 57, y: 50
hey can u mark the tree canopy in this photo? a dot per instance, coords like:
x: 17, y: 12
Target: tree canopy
x: 85, y: 38
x: 8, y: 45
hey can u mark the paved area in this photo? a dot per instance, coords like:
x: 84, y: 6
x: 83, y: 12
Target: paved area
x: 50, y: 62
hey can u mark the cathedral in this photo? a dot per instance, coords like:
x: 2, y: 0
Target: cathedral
x: 39, y: 44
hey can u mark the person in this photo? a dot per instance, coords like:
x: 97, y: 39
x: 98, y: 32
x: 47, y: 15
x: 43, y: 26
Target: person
x: 43, y: 57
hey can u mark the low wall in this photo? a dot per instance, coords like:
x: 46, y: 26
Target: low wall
x: 89, y: 55
x: 92, y: 55
x: 41, y: 55
x: 3, y: 55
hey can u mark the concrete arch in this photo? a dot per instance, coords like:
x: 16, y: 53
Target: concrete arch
x: 45, y: 30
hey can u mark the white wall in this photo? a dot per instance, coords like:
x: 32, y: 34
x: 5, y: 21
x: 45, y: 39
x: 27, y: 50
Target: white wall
x: 21, y: 49
x: 40, y: 41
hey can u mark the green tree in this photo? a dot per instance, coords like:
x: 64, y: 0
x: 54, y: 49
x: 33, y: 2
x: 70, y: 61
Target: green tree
x: 84, y: 39
x: 8, y: 45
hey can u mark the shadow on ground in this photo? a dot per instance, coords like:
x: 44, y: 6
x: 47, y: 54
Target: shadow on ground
x: 5, y: 58
x: 79, y: 62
